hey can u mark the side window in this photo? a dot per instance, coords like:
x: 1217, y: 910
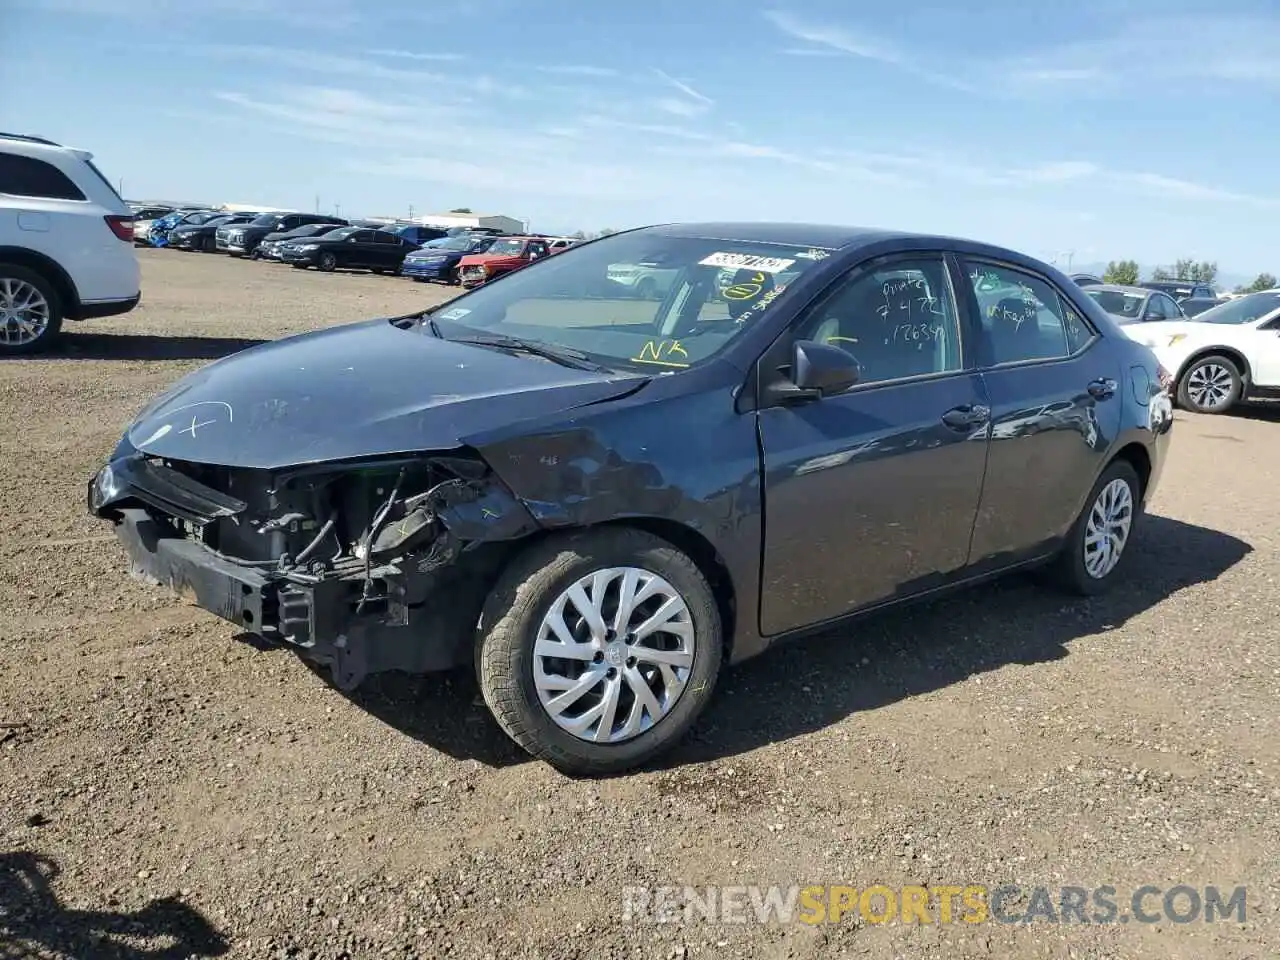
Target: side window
x: 1079, y: 334
x: 28, y: 177
x: 362, y: 236
x: 1171, y: 309
x: 897, y: 320
x: 1022, y: 317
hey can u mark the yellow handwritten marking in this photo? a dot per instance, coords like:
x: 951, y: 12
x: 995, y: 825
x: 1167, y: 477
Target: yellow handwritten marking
x: 742, y: 291
x: 652, y: 352
x: 842, y: 339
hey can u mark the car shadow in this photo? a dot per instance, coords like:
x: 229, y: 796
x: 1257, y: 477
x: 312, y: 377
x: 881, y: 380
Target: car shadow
x: 1268, y: 410
x: 796, y: 689
x: 135, y: 346
x: 34, y: 921
x: 885, y: 657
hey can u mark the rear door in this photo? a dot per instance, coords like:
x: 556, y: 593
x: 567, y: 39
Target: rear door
x: 1055, y: 408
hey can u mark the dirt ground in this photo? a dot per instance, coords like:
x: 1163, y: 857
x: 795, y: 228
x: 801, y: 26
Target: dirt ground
x: 169, y: 791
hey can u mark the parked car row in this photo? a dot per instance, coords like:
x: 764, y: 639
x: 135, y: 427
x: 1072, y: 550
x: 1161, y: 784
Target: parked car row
x: 458, y: 255
x: 1192, y: 296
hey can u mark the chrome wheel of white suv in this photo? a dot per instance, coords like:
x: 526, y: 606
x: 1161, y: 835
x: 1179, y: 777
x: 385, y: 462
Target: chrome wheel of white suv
x: 30, y: 313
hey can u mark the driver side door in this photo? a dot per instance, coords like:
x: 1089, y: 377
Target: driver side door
x: 871, y: 495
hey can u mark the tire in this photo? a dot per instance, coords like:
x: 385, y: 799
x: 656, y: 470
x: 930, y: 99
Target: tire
x: 28, y: 287
x: 1210, y: 384
x: 1071, y: 569
x: 532, y: 584
x: 327, y: 262
x: 454, y: 279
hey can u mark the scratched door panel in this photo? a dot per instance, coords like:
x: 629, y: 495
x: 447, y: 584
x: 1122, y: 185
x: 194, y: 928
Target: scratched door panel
x: 867, y: 496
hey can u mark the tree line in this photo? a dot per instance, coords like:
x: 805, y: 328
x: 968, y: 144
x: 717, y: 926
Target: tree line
x: 1128, y: 272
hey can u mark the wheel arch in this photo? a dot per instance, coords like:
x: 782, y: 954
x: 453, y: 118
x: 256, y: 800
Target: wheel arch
x: 689, y: 541
x: 1138, y: 457
x: 1231, y: 353
x: 51, y: 270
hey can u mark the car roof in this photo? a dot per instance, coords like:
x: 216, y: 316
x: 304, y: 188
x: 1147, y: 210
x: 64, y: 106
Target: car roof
x: 1123, y: 288
x: 834, y: 237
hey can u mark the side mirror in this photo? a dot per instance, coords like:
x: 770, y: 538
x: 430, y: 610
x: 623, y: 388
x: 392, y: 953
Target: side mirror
x: 817, y: 370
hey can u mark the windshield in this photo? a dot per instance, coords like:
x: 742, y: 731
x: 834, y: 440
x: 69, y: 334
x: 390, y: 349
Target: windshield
x: 1245, y: 309
x: 507, y: 248
x: 464, y: 244
x: 198, y: 217
x: 635, y: 300
x: 265, y: 220
x: 1118, y: 302
x: 216, y: 221
x: 341, y: 233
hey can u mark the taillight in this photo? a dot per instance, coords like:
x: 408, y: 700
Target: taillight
x: 122, y: 227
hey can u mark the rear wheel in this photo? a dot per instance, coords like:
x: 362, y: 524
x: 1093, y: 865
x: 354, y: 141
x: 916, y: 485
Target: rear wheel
x: 327, y: 262
x: 1094, y: 552
x: 1210, y: 385
x: 30, y: 311
x: 597, y: 650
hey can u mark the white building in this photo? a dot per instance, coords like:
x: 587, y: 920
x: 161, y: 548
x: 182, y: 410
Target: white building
x: 491, y: 220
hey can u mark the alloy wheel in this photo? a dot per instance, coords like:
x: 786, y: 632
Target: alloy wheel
x: 24, y: 312
x: 1209, y: 385
x: 1107, y: 531
x: 613, y: 654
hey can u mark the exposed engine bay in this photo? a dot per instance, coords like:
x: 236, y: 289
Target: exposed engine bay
x: 365, y: 566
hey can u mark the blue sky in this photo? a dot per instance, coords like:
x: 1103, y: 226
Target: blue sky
x: 1105, y: 128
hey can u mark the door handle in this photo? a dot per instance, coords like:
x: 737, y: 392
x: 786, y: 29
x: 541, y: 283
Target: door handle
x: 967, y: 416
x: 1104, y: 388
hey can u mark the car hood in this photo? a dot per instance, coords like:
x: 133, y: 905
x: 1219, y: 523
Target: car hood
x: 1165, y: 328
x: 475, y: 259
x: 422, y: 252
x: 359, y: 390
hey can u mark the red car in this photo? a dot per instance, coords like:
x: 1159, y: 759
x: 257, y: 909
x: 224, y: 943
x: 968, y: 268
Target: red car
x: 504, y: 255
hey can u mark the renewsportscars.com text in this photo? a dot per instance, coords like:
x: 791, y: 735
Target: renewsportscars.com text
x: 943, y: 904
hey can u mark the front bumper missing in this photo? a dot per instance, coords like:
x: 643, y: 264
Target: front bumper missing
x: 419, y: 617
x: 313, y: 619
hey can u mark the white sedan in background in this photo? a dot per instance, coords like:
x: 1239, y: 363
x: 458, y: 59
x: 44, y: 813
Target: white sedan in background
x: 1225, y: 355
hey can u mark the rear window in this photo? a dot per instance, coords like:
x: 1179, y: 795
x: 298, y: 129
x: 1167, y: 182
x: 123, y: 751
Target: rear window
x: 29, y: 177
x: 107, y: 183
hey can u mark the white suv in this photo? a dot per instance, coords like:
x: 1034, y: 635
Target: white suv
x: 66, y: 243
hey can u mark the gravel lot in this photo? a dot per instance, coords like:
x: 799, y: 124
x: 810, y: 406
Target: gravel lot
x: 166, y: 790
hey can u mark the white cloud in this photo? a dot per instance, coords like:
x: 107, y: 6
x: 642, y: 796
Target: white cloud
x: 684, y: 88
x: 578, y: 70
x: 1226, y: 49
x: 411, y: 55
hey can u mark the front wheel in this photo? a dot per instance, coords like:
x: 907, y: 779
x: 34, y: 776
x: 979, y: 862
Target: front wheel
x: 1210, y: 385
x: 1098, y: 542
x: 327, y: 262
x: 30, y: 311
x: 597, y: 650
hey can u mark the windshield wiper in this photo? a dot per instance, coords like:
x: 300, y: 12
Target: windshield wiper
x: 564, y: 356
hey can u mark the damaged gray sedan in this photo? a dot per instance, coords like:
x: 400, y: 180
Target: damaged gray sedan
x: 598, y: 498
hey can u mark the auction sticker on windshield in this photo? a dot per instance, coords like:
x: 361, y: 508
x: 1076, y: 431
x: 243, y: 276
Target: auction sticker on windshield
x: 744, y: 261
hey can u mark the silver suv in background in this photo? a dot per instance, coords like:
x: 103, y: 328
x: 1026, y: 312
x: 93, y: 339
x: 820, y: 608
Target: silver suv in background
x: 66, y: 243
